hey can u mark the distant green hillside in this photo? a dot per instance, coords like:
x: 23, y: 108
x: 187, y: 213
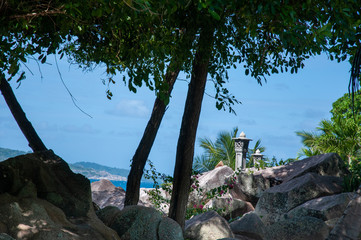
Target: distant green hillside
x: 6, y: 153
x: 98, y: 167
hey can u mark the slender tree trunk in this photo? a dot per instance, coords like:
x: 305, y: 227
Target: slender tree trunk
x: 25, y: 125
x: 141, y: 154
x: 186, y: 140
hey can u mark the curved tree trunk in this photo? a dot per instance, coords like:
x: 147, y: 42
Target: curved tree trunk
x: 25, y: 125
x: 186, y: 140
x: 141, y: 154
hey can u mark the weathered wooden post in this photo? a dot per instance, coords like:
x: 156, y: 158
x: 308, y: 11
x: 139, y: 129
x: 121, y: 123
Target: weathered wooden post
x: 241, y: 148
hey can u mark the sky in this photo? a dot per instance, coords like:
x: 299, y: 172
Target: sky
x: 272, y: 112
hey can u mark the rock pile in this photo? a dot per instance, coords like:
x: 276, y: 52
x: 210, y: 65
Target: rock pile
x: 306, y: 203
x: 301, y: 200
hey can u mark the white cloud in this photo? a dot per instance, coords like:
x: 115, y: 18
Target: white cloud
x: 130, y: 108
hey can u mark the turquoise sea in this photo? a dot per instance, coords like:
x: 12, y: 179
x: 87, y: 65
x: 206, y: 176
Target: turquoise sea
x: 123, y: 184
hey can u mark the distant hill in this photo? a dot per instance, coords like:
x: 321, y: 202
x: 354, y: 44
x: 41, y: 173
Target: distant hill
x: 6, y: 153
x: 98, y: 167
x: 97, y: 171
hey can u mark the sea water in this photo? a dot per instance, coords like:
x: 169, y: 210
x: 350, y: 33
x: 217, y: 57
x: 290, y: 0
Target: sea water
x: 123, y: 184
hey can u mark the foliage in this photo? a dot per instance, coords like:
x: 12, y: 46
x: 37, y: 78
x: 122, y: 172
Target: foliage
x: 222, y: 150
x: 140, y: 38
x: 159, y: 201
x: 31, y: 28
x: 341, y: 134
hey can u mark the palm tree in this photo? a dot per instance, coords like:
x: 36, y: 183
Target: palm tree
x: 341, y: 136
x: 221, y: 150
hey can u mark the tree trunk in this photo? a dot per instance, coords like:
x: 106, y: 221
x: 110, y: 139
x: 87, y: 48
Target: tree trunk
x: 141, y: 154
x: 26, y: 127
x: 186, y: 140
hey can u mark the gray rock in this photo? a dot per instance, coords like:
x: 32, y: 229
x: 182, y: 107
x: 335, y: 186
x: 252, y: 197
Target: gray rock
x: 207, y: 226
x: 139, y: 222
x: 102, y: 185
x: 169, y: 230
x: 4, y: 236
x: 297, y: 229
x: 249, y: 187
x: 349, y: 225
x: 208, y: 181
x: 280, y: 199
x: 329, y: 164
x: 106, y: 198
x: 37, y: 219
x: 232, y: 207
x: 250, y: 225
x: 324, y: 208
x: 46, y: 176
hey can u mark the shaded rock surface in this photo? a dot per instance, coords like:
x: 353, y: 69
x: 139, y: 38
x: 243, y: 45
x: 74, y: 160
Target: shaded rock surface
x: 207, y: 226
x: 232, y: 207
x: 329, y: 164
x: 299, y: 228
x: 249, y: 187
x: 280, y: 199
x: 324, y: 208
x: 41, y: 198
x: 139, y: 222
x: 46, y: 176
x: 250, y: 225
x: 349, y: 225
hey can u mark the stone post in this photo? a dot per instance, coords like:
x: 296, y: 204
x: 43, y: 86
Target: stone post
x: 257, y: 157
x: 241, y: 148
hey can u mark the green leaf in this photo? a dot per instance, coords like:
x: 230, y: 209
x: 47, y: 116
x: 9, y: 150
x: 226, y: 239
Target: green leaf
x: 214, y: 14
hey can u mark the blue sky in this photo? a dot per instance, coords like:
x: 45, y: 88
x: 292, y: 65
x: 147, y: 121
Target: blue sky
x: 272, y: 112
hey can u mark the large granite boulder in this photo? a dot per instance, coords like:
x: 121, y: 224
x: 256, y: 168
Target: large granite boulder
x: 328, y: 208
x: 104, y: 193
x: 231, y: 207
x: 208, y: 181
x: 139, y: 222
x: 280, y: 199
x: 297, y: 229
x: 41, y: 199
x: 250, y: 225
x: 46, y: 176
x: 329, y: 164
x: 146, y: 199
x: 249, y: 187
x: 37, y: 219
x: 207, y: 226
x: 349, y: 224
